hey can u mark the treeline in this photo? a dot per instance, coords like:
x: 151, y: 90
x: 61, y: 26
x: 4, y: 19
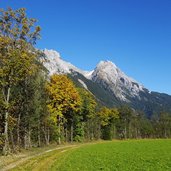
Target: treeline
x: 37, y: 109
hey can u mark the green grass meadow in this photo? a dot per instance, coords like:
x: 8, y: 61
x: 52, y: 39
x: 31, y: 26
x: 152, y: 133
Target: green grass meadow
x: 140, y: 155
x: 130, y: 155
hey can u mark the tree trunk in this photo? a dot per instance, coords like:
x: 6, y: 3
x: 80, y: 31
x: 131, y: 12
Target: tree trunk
x: 92, y: 132
x: 125, y: 130
x: 18, y: 129
x: 29, y: 138
x: 6, y: 141
x: 130, y: 130
x: 88, y: 130
x: 59, y: 130
x: 72, y: 132
x: 25, y: 138
x: 136, y: 133
x: 66, y: 134
x: 39, y: 143
x: 113, y: 132
x: 165, y: 132
x: 46, y: 135
x: 12, y: 140
x: 38, y: 135
x: 99, y: 131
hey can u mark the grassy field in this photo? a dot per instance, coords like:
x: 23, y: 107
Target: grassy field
x: 144, y: 155
x: 131, y: 155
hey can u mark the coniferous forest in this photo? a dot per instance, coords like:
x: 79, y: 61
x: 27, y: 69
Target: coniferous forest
x: 37, y: 109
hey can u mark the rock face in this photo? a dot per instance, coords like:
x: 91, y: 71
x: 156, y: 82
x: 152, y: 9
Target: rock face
x: 107, y: 74
x: 112, y: 78
x: 110, y: 85
x: 55, y: 64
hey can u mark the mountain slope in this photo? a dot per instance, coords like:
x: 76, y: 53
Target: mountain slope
x: 111, y: 77
x: 110, y: 85
x: 102, y: 96
x: 55, y: 64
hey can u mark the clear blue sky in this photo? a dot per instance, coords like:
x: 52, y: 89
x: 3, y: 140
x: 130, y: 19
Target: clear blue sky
x: 134, y: 34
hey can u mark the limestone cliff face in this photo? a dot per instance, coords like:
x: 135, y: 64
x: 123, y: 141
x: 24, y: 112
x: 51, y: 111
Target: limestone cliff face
x: 110, y: 85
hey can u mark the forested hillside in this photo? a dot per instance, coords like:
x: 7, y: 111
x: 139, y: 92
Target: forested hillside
x: 37, y: 109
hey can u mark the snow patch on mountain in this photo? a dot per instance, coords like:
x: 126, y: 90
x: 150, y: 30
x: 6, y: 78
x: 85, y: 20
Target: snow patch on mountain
x: 88, y: 74
x: 83, y: 84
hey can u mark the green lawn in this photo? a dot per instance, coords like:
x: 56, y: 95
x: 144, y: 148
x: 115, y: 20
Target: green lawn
x: 139, y: 155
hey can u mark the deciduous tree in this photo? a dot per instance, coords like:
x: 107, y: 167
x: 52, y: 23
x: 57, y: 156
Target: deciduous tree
x: 64, y: 100
x: 18, y: 34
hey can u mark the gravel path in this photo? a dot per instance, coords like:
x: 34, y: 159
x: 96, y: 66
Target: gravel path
x: 25, y: 158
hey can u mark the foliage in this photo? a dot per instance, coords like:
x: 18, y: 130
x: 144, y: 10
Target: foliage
x: 17, y: 55
x: 107, y: 120
x: 64, y: 100
x: 63, y: 96
x: 38, y: 109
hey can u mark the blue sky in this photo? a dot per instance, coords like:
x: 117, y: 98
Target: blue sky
x: 134, y: 34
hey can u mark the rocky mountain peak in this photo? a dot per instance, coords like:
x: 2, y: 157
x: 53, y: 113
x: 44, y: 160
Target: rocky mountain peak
x: 55, y: 64
x: 109, y: 85
x: 52, y: 54
x: 106, y: 63
x: 106, y: 73
x: 111, y: 77
x: 106, y: 67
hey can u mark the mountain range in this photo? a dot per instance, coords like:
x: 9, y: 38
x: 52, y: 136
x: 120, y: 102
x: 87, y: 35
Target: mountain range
x: 109, y: 85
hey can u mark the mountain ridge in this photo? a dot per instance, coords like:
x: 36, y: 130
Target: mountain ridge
x: 106, y: 69
x: 110, y: 82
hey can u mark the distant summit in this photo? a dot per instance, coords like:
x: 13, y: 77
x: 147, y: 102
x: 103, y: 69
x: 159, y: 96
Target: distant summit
x: 55, y: 64
x: 111, y: 77
x: 111, y: 83
x: 106, y: 73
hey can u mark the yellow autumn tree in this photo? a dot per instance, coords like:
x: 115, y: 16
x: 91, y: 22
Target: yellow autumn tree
x: 18, y: 35
x: 63, y: 100
x: 107, y: 120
